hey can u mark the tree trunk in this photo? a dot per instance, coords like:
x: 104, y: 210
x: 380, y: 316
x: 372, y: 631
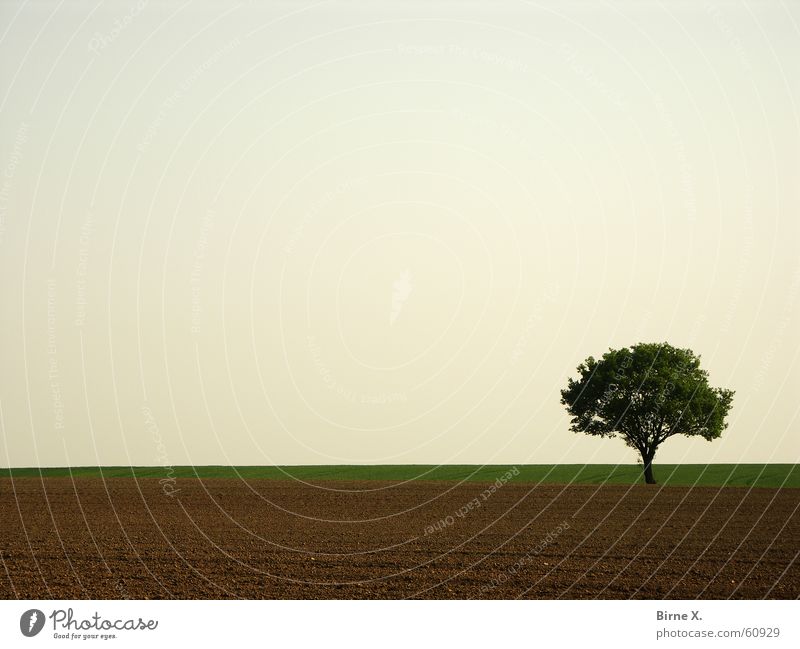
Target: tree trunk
x: 647, y: 460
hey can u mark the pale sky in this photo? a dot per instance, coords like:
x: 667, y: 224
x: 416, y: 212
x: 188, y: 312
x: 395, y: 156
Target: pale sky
x: 385, y: 232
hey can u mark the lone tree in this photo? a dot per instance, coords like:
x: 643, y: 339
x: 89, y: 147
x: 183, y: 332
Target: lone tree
x: 646, y: 394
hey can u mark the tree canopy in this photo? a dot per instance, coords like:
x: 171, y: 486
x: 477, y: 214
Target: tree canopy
x: 645, y: 394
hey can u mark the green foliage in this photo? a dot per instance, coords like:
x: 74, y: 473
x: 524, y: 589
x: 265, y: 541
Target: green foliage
x: 645, y: 394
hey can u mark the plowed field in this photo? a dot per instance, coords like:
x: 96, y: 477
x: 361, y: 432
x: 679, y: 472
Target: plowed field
x: 227, y: 538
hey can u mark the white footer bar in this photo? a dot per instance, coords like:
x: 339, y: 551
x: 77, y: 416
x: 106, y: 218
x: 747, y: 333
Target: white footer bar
x: 379, y: 624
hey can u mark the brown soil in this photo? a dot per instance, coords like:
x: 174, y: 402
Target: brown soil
x: 64, y: 539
